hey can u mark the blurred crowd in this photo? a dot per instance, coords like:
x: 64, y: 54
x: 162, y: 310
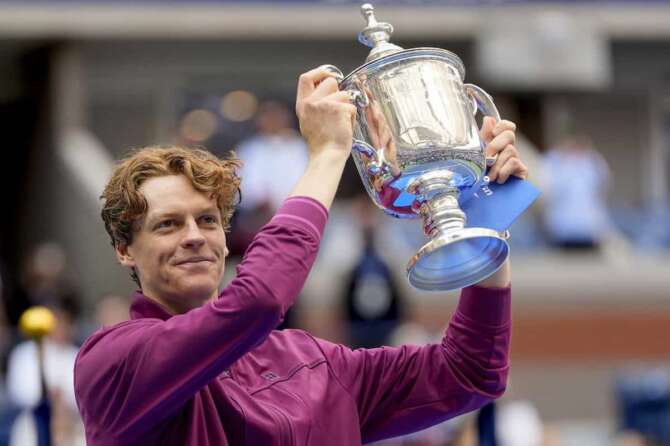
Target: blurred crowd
x: 29, y: 365
x: 575, y: 215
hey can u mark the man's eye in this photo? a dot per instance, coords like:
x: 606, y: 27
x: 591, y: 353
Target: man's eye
x: 165, y: 224
x: 209, y: 219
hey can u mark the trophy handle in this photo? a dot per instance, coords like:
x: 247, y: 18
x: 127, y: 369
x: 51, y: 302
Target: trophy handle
x: 377, y: 163
x: 357, y: 98
x: 335, y: 71
x: 483, y: 102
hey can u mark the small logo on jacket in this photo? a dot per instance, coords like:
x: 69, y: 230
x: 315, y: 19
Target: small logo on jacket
x: 270, y: 376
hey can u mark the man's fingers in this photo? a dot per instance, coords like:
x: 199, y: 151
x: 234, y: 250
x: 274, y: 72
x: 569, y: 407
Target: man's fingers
x: 337, y: 99
x: 500, y: 137
x: 513, y: 166
x: 500, y: 142
x: 315, y: 86
x: 492, y: 128
x: 326, y: 87
x: 308, y: 82
x: 503, y: 125
x: 486, y: 132
x: 306, y: 85
x: 509, y: 152
x: 340, y: 96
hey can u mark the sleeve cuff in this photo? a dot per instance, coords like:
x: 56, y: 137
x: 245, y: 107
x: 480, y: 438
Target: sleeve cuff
x: 305, y: 211
x: 487, y: 306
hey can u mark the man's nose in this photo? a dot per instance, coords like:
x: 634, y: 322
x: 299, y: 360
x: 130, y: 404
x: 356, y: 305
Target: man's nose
x: 193, y: 236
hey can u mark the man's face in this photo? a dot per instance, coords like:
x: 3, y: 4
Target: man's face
x: 179, y: 248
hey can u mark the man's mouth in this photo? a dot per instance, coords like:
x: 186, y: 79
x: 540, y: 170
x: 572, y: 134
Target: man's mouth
x: 195, y: 260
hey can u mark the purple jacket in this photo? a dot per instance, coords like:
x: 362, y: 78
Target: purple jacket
x: 221, y: 374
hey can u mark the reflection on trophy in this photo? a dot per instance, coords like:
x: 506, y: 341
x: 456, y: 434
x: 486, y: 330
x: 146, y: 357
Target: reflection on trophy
x: 417, y: 149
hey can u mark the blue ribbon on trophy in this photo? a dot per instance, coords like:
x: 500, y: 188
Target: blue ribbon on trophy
x: 497, y: 206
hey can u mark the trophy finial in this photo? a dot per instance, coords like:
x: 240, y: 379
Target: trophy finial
x: 368, y: 12
x: 376, y: 34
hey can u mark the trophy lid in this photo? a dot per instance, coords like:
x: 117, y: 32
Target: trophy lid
x: 376, y: 35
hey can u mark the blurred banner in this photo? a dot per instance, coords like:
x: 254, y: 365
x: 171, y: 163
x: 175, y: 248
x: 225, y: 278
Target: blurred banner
x: 552, y: 50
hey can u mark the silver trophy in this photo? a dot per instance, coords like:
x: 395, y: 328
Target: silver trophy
x: 418, y: 151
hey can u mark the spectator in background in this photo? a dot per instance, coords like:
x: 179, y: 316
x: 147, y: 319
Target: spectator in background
x: 13, y: 303
x: 4, y: 326
x: 631, y: 439
x: 6, y: 413
x: 575, y: 179
x: 272, y: 162
x: 111, y: 310
x: 44, y: 282
x: 373, y: 306
x: 44, y: 279
x: 24, y: 383
x: 518, y: 423
x: 643, y: 399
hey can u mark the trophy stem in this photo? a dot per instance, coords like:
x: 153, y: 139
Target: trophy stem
x: 442, y: 214
x: 437, y: 203
x: 454, y: 256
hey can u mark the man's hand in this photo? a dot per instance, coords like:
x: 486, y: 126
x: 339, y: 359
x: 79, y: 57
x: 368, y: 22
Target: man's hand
x: 326, y: 122
x: 326, y: 114
x: 500, y: 138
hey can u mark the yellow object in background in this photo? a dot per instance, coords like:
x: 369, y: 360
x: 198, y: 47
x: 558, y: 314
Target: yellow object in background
x: 37, y: 322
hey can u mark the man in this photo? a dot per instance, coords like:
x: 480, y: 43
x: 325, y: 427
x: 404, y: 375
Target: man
x: 201, y: 367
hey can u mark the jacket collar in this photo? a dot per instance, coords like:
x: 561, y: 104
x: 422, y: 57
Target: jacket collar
x: 145, y: 307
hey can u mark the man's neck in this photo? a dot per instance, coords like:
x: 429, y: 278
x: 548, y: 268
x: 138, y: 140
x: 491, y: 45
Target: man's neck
x: 178, y: 304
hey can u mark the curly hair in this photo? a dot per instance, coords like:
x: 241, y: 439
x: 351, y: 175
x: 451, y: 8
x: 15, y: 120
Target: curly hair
x: 124, y: 204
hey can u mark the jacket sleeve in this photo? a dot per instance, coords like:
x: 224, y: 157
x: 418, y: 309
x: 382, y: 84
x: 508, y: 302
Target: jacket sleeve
x: 132, y: 377
x: 402, y: 390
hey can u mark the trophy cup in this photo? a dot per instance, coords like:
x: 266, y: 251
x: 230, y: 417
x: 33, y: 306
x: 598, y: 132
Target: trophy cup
x: 417, y: 149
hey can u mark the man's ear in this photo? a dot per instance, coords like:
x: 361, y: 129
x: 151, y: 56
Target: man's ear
x: 124, y: 256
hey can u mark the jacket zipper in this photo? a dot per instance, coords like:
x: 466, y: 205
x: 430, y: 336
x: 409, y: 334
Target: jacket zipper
x: 286, y: 434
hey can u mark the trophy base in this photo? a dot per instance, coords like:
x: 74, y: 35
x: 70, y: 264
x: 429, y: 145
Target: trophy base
x: 456, y: 259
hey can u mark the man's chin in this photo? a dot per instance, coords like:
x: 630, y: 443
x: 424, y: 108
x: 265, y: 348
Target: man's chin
x: 198, y: 293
